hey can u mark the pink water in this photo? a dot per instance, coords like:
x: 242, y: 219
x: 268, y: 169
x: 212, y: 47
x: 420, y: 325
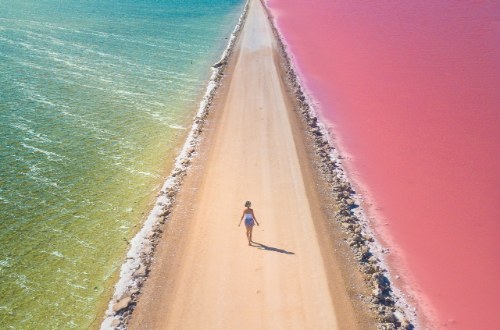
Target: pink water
x: 413, y: 91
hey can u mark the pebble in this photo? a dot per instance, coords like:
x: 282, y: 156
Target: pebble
x: 122, y: 304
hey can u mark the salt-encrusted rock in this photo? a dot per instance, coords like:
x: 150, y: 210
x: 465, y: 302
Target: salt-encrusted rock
x: 388, y: 326
x: 406, y: 325
x: 115, y: 323
x: 141, y: 271
x: 170, y: 193
x: 347, y: 225
x: 148, y: 250
x: 368, y: 238
x: 377, y: 293
x: 370, y: 269
x: 219, y: 64
x: 389, y: 317
x: 121, y: 304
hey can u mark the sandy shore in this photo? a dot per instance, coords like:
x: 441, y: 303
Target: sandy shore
x: 299, y: 273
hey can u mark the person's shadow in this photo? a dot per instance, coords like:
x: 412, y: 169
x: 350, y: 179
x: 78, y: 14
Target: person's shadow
x: 269, y: 248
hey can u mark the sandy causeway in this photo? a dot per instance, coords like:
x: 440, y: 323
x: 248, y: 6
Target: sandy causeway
x: 205, y: 276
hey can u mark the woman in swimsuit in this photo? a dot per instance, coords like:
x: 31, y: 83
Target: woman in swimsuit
x: 250, y: 220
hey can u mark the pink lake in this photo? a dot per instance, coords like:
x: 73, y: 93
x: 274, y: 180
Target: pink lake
x: 412, y: 91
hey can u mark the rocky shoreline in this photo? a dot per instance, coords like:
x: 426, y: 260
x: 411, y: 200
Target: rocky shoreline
x: 386, y: 301
x: 135, y: 270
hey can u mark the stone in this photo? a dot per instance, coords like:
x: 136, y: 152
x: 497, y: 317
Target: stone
x: 406, y: 325
x: 121, y: 304
x: 115, y: 323
x: 347, y: 225
x: 377, y: 293
x: 345, y: 212
x: 388, y: 326
x: 399, y: 316
x: 371, y: 269
x: 389, y: 317
x: 141, y: 271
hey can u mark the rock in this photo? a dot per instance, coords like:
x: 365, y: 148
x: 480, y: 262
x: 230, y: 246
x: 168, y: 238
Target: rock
x: 399, y: 315
x: 141, y: 271
x: 388, y: 326
x: 406, y: 325
x: 121, y: 304
x: 115, y: 323
x: 371, y: 269
x: 170, y: 194
x: 389, y: 318
x: 345, y: 212
x: 148, y: 250
x: 347, y: 225
x: 218, y: 64
x: 368, y: 238
x: 377, y: 293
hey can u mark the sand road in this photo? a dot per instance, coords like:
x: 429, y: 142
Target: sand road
x: 221, y: 282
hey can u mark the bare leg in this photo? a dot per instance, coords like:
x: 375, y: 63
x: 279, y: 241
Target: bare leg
x: 249, y: 234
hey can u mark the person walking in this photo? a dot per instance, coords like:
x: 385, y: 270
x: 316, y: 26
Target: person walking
x: 250, y: 220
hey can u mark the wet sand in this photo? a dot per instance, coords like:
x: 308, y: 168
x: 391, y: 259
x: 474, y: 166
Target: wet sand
x: 205, y: 275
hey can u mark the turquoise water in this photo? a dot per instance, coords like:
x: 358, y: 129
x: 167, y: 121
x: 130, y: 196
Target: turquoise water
x: 95, y: 97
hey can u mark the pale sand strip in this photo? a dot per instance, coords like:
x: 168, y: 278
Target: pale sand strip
x: 215, y: 280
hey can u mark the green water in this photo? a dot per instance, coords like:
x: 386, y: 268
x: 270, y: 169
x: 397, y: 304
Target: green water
x: 94, y: 98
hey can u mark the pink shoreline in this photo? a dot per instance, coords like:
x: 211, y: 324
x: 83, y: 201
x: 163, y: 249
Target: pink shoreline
x: 413, y: 91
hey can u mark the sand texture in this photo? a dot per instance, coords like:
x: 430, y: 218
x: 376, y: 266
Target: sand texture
x: 205, y: 276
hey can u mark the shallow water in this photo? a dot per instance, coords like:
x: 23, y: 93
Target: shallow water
x: 410, y: 89
x: 94, y: 99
